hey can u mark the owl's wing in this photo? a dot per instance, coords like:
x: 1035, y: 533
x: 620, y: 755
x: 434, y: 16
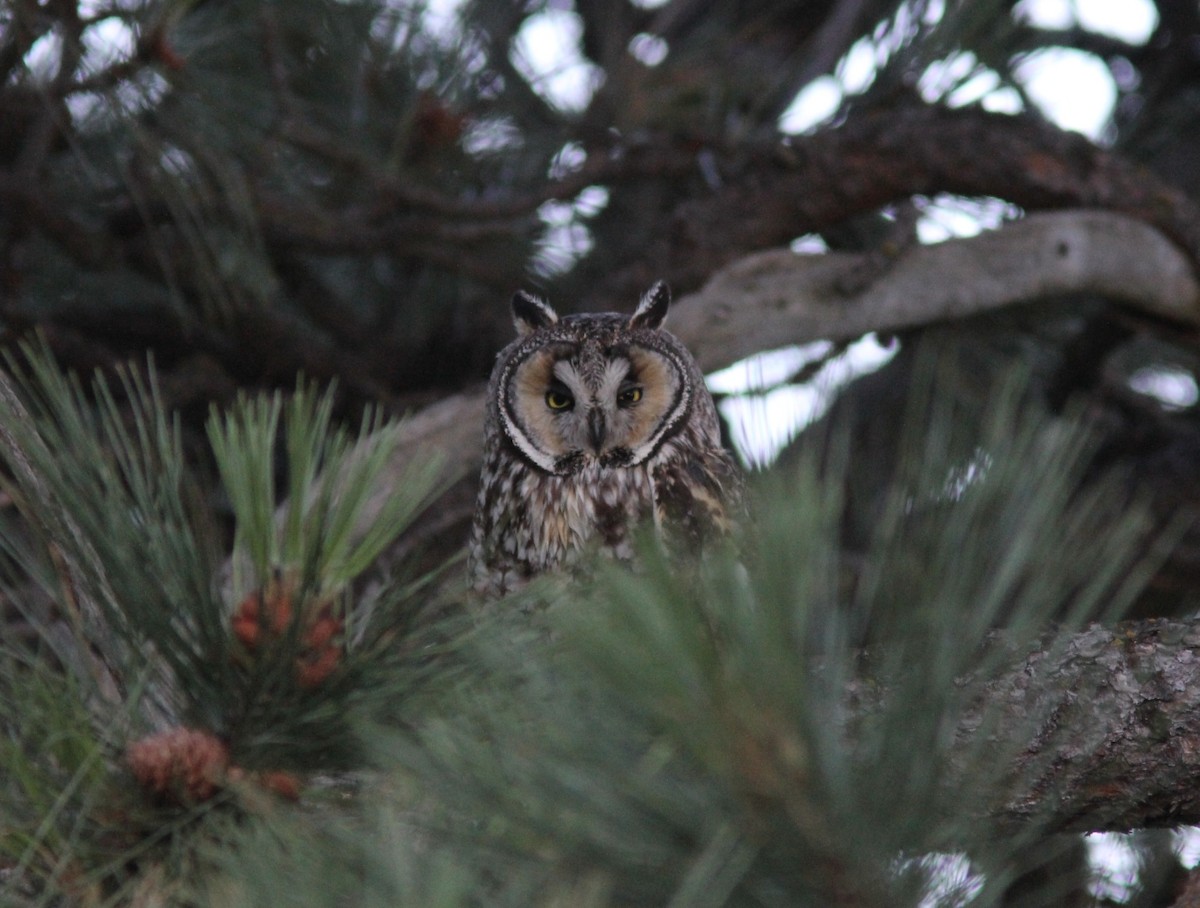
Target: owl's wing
x: 699, y: 499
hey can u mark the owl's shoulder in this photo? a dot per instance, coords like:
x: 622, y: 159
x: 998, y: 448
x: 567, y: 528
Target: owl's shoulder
x: 699, y: 494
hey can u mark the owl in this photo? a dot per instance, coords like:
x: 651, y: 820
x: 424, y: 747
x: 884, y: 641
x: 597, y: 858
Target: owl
x: 595, y: 424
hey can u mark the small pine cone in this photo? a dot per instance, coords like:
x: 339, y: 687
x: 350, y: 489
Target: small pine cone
x: 316, y: 665
x: 277, y: 781
x: 265, y: 615
x: 183, y: 764
x: 322, y: 631
x: 436, y: 125
x: 245, y: 623
x: 157, y: 46
x: 282, y: 783
x: 321, y: 654
x: 249, y: 622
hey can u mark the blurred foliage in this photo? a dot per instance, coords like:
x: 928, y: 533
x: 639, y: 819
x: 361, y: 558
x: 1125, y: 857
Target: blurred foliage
x: 708, y: 737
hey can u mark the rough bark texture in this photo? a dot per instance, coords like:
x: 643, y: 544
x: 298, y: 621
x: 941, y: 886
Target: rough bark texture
x: 1190, y: 897
x: 1120, y: 747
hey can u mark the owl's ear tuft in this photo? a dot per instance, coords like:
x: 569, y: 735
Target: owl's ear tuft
x: 652, y: 310
x: 530, y: 313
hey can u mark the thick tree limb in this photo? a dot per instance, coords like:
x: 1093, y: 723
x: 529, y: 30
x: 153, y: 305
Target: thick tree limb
x: 777, y: 298
x: 776, y: 193
x: 1121, y: 749
x: 879, y: 157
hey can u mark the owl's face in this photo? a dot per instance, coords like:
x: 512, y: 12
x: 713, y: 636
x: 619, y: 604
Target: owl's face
x: 604, y: 389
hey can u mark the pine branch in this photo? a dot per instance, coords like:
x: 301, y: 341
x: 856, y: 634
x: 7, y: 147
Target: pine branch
x: 774, y: 298
x: 57, y: 523
x: 207, y: 696
x: 778, y: 298
x: 1121, y: 749
x: 718, y: 725
x: 745, y: 716
x: 883, y: 155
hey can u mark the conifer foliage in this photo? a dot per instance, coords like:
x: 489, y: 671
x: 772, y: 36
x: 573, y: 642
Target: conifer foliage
x: 750, y: 731
x: 189, y: 674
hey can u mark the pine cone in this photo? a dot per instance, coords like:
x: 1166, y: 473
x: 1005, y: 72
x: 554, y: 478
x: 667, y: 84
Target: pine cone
x: 264, y: 616
x: 184, y: 764
x: 268, y: 610
x: 284, y: 784
x: 321, y: 654
x: 277, y: 781
x: 316, y: 665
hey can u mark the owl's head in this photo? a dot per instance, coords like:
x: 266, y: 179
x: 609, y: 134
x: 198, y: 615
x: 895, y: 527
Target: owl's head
x: 606, y: 388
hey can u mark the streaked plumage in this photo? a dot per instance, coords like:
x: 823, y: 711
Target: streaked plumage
x: 594, y: 424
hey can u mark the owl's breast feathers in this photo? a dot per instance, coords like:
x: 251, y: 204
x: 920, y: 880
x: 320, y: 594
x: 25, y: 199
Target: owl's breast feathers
x: 548, y: 522
x: 528, y: 522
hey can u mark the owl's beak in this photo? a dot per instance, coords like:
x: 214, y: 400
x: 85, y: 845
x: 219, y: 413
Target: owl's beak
x: 596, y: 429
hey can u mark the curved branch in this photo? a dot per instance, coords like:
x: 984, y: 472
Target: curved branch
x: 778, y: 298
x: 880, y: 156
x: 775, y: 298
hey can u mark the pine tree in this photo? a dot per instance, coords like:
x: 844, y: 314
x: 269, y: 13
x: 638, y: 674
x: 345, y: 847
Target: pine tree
x: 238, y: 238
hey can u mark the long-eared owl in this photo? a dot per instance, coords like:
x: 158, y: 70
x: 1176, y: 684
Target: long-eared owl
x: 595, y: 423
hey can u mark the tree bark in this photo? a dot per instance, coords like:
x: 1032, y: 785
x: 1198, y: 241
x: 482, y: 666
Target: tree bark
x: 1119, y: 747
x: 771, y: 299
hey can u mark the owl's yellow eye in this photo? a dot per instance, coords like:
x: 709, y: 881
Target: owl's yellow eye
x: 629, y: 396
x: 559, y: 400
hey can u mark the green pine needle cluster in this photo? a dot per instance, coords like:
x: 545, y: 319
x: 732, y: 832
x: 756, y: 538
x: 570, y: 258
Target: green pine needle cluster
x: 122, y: 577
x: 330, y: 479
